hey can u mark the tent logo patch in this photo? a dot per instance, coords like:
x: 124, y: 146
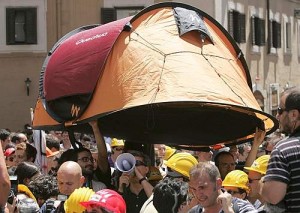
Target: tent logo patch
x: 75, y: 110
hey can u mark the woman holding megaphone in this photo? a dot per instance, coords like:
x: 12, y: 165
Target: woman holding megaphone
x: 133, y: 184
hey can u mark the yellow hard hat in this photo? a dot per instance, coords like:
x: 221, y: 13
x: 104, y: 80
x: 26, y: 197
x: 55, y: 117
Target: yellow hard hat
x: 79, y: 195
x: 237, y: 178
x: 169, y: 152
x: 181, y: 163
x: 25, y: 190
x: 116, y: 142
x: 260, y: 164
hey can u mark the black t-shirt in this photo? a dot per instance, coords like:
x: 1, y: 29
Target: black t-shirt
x: 134, y: 202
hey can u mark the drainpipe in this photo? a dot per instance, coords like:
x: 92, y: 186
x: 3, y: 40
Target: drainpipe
x: 268, y: 27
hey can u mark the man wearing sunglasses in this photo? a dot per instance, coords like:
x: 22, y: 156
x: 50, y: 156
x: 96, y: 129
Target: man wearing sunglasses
x: 134, y: 186
x: 282, y: 179
x: 256, y: 172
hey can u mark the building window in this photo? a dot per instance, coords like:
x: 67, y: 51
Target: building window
x: 276, y: 34
x: 112, y: 14
x: 274, y: 37
x: 236, y: 26
x: 21, y: 26
x: 258, y: 31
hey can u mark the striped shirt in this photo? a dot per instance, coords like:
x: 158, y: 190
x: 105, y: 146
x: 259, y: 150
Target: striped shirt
x: 284, y: 166
x: 239, y: 206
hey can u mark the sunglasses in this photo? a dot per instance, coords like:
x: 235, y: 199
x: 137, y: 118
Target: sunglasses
x: 118, y: 149
x: 139, y: 163
x: 87, y: 159
x: 281, y: 110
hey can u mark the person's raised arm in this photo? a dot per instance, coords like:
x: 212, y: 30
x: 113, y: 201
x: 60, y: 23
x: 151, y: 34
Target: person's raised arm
x: 102, y: 150
x: 4, y: 180
x: 148, y: 188
x: 257, y: 141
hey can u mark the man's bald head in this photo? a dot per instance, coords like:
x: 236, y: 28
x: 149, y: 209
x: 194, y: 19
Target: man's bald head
x: 69, y: 177
x: 70, y: 167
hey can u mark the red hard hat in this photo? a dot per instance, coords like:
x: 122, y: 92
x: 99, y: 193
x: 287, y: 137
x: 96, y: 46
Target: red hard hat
x: 9, y: 151
x: 107, y: 199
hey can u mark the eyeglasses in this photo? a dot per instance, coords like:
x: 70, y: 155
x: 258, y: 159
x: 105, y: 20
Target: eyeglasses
x: 87, y: 159
x: 281, y: 110
x: 139, y: 163
x: 251, y: 180
x: 118, y: 149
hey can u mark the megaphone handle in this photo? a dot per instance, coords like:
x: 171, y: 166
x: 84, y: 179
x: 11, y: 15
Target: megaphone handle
x: 123, y: 186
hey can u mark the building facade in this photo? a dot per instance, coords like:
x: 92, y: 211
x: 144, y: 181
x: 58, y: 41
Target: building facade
x: 268, y: 33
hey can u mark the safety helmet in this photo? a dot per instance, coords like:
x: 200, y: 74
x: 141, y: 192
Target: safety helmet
x: 79, y: 195
x: 107, y: 199
x: 182, y: 162
x: 237, y: 178
x: 260, y: 164
x: 169, y: 152
x: 23, y: 189
x: 116, y: 142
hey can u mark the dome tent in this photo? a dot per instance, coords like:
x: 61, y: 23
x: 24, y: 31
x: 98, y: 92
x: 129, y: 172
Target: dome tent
x: 170, y: 74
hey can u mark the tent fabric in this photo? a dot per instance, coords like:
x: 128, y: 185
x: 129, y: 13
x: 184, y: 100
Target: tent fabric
x: 159, y: 83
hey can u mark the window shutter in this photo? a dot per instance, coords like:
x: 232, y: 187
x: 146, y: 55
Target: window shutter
x: 242, y: 18
x: 108, y: 15
x: 236, y: 27
x: 10, y: 26
x: 276, y: 34
x: 230, y: 22
x: 262, y: 38
x: 259, y: 31
x: 31, y: 26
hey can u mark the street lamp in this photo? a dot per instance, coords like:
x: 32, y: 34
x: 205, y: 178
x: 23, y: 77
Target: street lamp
x: 27, y: 82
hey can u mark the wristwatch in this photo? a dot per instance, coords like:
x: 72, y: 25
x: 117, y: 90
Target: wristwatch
x: 141, y: 180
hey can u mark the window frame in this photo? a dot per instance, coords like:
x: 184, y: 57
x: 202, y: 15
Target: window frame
x: 287, y: 35
x: 237, y: 26
x: 255, y: 12
x: 29, y: 30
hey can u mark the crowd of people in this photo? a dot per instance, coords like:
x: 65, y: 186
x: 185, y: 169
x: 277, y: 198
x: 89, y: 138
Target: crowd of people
x: 97, y: 176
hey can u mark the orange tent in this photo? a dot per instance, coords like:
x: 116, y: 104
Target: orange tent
x: 170, y: 74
